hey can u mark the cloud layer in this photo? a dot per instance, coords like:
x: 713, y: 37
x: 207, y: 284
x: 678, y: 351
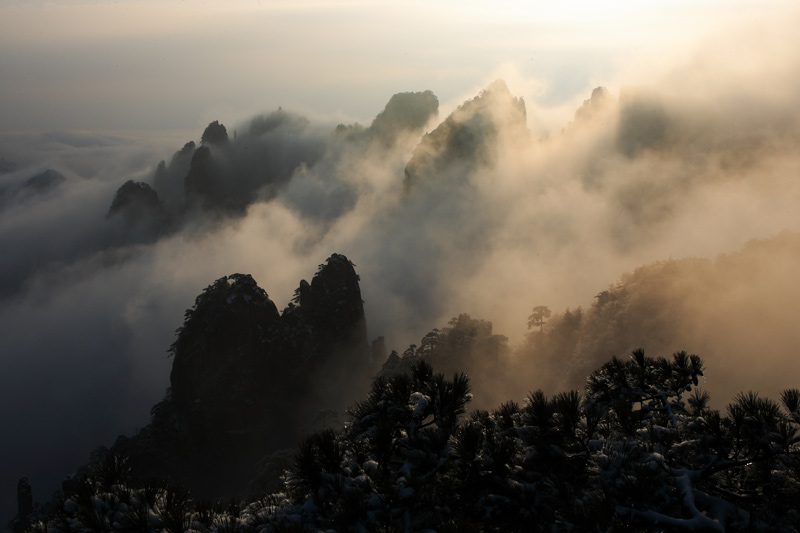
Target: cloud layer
x: 480, y: 215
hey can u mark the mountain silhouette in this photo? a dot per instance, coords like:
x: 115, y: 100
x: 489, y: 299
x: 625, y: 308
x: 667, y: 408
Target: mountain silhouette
x: 247, y: 380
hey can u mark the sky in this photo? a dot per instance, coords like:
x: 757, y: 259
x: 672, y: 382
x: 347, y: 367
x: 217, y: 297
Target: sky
x: 177, y: 65
x: 102, y: 91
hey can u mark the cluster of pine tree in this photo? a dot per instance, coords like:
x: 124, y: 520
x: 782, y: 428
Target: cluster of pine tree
x: 639, y: 450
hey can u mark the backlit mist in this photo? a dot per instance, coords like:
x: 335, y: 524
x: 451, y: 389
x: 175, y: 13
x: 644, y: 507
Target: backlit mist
x: 555, y: 153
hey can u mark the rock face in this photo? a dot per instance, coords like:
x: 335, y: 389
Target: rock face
x: 137, y: 214
x: 40, y: 184
x: 215, y: 134
x: 223, y: 175
x: 226, y: 176
x: 168, y: 179
x: 219, y: 345
x: 247, y: 380
x: 204, y: 181
x: 643, y: 124
x: 135, y: 199
x: 46, y: 181
x: 207, y: 183
x: 594, y: 107
x: 405, y: 112
x: 469, y: 137
x: 331, y: 305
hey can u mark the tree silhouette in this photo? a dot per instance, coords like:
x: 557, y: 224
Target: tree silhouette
x: 538, y: 316
x: 639, y: 450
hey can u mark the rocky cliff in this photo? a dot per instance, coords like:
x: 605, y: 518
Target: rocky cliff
x: 469, y: 138
x: 247, y: 380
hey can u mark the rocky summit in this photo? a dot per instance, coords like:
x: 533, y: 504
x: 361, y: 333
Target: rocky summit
x: 469, y: 138
x: 241, y: 370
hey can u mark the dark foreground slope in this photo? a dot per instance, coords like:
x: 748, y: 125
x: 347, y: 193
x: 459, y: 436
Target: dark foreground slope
x: 639, y: 450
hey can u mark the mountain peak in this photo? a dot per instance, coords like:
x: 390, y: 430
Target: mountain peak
x: 215, y: 134
x: 135, y: 197
x: 595, y: 105
x: 219, y: 336
x: 241, y: 369
x: 469, y: 138
x: 405, y: 112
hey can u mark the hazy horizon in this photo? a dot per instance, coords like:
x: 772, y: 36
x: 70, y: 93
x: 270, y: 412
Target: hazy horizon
x: 144, y: 65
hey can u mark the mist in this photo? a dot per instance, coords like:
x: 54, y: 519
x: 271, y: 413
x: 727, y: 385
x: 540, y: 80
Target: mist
x: 489, y: 205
